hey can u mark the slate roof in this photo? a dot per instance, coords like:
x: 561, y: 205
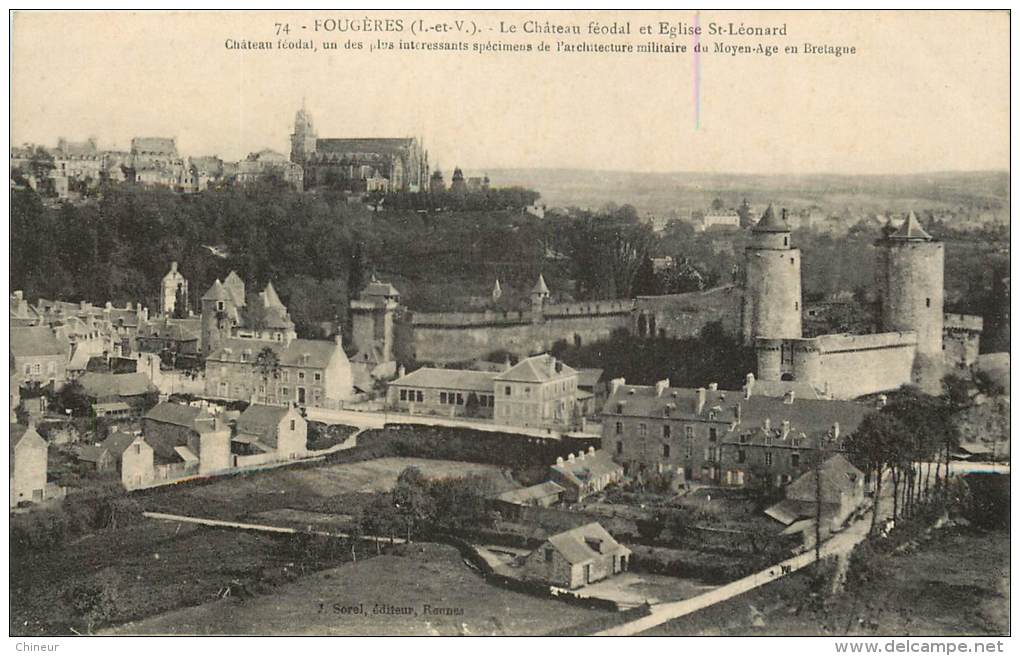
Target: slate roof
x: 160, y: 145
x: 271, y: 298
x: 911, y: 230
x: 377, y: 288
x: 320, y: 352
x: 178, y: 415
x: 217, y: 292
x: 588, y: 467
x: 525, y: 495
x: 536, y: 369
x: 118, y: 443
x: 572, y: 546
x: 261, y: 420
x: 452, y: 379
x: 588, y: 377
x: 540, y: 286
x: 838, y: 477
x: 771, y: 222
x: 102, y: 385
x: 29, y: 341
x: 388, y: 146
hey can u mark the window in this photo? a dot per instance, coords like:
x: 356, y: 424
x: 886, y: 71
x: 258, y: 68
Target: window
x: 795, y: 460
x: 460, y: 399
x: 619, y: 447
x: 713, y: 433
x: 642, y: 429
x: 548, y: 555
x: 506, y: 390
x: 292, y: 424
x: 665, y: 450
x: 619, y: 408
x: 741, y: 455
x: 667, y: 431
x: 690, y: 450
x: 768, y: 458
x: 286, y: 392
x: 786, y: 242
x: 36, y: 368
x: 927, y: 302
x: 403, y: 395
x: 689, y: 431
x: 419, y: 396
x: 301, y: 375
x: 442, y: 397
x: 619, y: 428
x: 318, y: 377
x: 219, y: 305
x: 138, y: 449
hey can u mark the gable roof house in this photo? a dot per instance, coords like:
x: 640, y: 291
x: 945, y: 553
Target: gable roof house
x: 578, y: 557
x: 585, y: 474
x: 537, y: 391
x: 38, y: 356
x: 185, y: 434
x: 842, y: 493
x: 28, y: 464
x: 271, y: 429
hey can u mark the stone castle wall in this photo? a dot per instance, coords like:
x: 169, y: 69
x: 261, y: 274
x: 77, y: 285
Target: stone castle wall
x: 841, y: 366
x: 684, y: 315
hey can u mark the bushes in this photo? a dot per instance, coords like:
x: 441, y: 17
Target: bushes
x: 51, y: 529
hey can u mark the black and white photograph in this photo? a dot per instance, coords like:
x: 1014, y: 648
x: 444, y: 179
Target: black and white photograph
x: 510, y: 322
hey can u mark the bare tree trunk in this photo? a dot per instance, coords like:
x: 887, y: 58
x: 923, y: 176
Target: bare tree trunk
x: 878, y: 499
x: 895, y: 493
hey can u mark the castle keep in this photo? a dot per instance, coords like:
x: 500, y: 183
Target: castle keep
x: 914, y: 344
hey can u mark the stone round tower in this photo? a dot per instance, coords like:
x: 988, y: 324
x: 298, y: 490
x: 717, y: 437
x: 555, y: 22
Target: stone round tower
x: 772, y: 298
x: 910, y: 275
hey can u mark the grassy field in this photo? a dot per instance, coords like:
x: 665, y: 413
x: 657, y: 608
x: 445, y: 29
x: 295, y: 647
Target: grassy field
x: 319, y: 488
x: 150, y: 567
x: 956, y: 584
x: 342, y: 601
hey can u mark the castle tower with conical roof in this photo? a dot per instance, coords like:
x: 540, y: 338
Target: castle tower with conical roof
x: 910, y: 275
x: 772, y: 295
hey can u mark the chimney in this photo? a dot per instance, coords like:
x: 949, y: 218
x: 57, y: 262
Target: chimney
x: 835, y: 430
x: 559, y: 460
x: 736, y: 412
x: 591, y: 450
x: 338, y: 339
x: 173, y: 267
x: 570, y: 458
x: 768, y: 424
x: 615, y: 384
x: 401, y: 371
x: 661, y: 386
x: 580, y: 455
x: 788, y: 397
x: 506, y: 365
x: 786, y: 428
x: 19, y: 295
x: 713, y: 386
x: 128, y: 306
x: 882, y: 400
x: 108, y: 306
x: 700, y: 402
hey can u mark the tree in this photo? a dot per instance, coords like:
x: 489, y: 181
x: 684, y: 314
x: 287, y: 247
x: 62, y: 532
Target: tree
x: 94, y: 601
x: 71, y: 397
x: 267, y: 365
x: 412, y: 500
x: 873, y: 447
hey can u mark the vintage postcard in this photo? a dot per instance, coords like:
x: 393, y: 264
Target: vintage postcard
x: 350, y: 322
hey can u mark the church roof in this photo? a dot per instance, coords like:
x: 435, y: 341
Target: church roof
x: 911, y: 230
x: 771, y: 223
x: 540, y: 287
x: 154, y: 145
x: 388, y: 146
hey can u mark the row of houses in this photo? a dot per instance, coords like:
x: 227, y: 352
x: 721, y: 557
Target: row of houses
x: 179, y: 441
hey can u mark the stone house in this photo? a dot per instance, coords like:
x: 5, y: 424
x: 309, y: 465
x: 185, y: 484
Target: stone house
x: 585, y: 474
x: 721, y: 437
x: 538, y: 391
x: 131, y: 390
x: 27, y: 465
x: 133, y: 458
x: 279, y: 432
x: 446, y: 392
x: 576, y: 558
x: 842, y: 493
x: 184, y: 434
x: 38, y: 356
x: 543, y: 495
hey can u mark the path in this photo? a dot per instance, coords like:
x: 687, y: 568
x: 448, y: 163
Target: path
x: 265, y: 528
x: 371, y: 419
x: 660, y: 614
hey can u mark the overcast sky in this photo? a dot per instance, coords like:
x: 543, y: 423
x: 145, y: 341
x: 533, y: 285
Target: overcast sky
x: 925, y: 91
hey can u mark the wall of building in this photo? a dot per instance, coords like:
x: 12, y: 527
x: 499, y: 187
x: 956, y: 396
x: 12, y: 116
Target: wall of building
x: 459, y: 337
x: 213, y: 450
x: 910, y: 278
x: 428, y: 401
x: 684, y: 315
x: 691, y: 447
x: 137, y: 466
x: 29, y: 474
x: 841, y: 366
